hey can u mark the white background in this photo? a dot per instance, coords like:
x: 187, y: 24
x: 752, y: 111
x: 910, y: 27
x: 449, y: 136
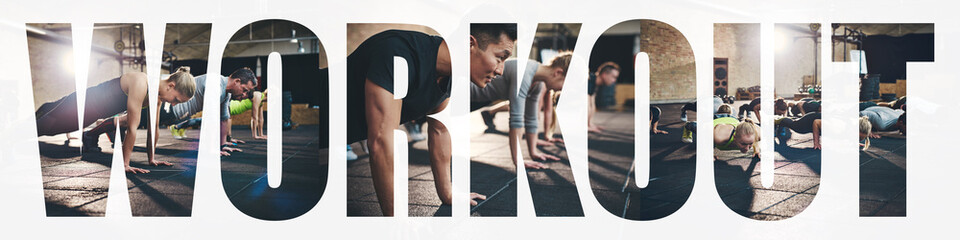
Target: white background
x: 834, y: 213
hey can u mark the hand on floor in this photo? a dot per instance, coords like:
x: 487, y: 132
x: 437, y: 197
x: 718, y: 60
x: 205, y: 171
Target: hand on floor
x: 595, y: 129
x: 135, y: 170
x: 544, y: 143
x: 658, y: 131
x: 533, y: 165
x: 555, y: 140
x: 230, y: 149
x: 543, y: 157
x: 476, y: 196
x: 161, y: 163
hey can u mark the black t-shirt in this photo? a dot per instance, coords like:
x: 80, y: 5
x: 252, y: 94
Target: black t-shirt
x: 373, y: 60
x: 753, y: 104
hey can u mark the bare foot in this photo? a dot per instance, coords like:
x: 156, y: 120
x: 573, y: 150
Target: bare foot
x: 544, y: 143
x: 658, y: 131
x: 238, y: 141
x: 474, y: 196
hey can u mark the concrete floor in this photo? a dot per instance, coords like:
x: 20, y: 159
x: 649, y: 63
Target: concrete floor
x: 304, y: 178
x: 493, y: 174
x: 883, y: 176
x: 76, y: 184
x: 423, y: 200
x: 672, y: 166
x: 737, y: 175
x: 796, y: 178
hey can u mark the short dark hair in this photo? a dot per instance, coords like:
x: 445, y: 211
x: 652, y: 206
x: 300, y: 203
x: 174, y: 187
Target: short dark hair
x: 489, y: 33
x: 607, y: 66
x: 245, y: 75
x: 780, y: 104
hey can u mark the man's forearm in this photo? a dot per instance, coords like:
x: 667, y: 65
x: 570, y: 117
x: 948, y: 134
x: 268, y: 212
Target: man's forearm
x: 223, y: 132
x: 440, y: 157
x: 151, y: 145
x: 514, y: 143
x: 131, y: 138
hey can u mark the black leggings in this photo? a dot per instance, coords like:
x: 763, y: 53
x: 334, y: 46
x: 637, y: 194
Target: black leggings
x: 103, y: 100
x: 745, y: 108
x: 802, y: 125
x: 654, y: 114
x: 689, y: 107
x: 692, y: 126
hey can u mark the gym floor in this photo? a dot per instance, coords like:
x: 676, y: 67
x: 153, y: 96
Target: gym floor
x: 612, y: 172
x: 883, y: 176
x: 737, y: 175
x: 76, y: 184
x: 796, y: 178
x: 492, y: 174
x: 422, y: 200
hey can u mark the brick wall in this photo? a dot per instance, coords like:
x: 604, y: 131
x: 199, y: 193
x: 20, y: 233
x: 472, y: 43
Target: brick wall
x: 740, y: 44
x: 672, y: 70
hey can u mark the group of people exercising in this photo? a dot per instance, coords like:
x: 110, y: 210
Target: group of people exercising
x: 120, y: 103
x: 373, y: 113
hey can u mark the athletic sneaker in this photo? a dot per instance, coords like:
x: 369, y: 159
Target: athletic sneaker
x: 90, y: 143
x: 350, y: 154
x: 413, y: 130
x: 683, y: 116
x: 176, y: 132
x: 687, y: 134
x: 290, y: 125
x: 488, y: 119
x: 778, y: 120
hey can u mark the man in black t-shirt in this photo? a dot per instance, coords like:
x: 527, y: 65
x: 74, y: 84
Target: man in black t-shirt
x: 373, y: 113
x: 606, y: 75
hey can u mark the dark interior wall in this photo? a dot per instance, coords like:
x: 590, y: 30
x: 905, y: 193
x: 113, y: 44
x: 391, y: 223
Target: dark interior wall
x: 888, y: 56
x: 617, y: 49
x: 301, y: 74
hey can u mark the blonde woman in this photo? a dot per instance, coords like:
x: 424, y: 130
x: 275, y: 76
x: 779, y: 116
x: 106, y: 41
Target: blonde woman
x: 729, y: 134
x: 866, y: 132
x: 881, y: 118
x: 125, y: 93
